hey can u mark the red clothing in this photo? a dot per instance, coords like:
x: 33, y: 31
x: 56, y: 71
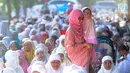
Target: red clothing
x: 62, y: 32
x: 69, y: 11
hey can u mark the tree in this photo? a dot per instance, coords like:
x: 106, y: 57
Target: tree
x: 16, y: 4
x: 9, y: 9
x: 128, y: 8
x: 4, y: 5
x: 27, y: 4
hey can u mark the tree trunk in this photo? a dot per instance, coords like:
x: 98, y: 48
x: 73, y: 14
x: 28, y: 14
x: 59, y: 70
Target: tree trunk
x: 128, y: 8
x: 24, y: 8
x: 4, y: 6
x: 9, y: 9
x: 17, y: 9
x: 16, y: 4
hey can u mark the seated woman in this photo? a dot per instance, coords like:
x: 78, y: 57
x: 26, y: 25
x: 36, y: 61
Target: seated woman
x: 14, y: 46
x: 45, y: 48
x: 26, y: 54
x: 124, y: 62
x: 12, y: 61
x: 108, y: 66
x: 54, y: 64
x: 50, y: 43
x: 40, y: 56
x: 60, y: 50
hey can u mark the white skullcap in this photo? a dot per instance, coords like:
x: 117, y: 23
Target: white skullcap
x: 122, y: 23
x: 61, y: 37
x: 74, y: 69
x: 54, y: 57
x: 39, y: 50
x: 43, y: 46
x: 39, y: 67
x: 84, y: 8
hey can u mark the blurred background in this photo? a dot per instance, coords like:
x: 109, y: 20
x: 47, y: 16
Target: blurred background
x: 26, y: 8
x: 35, y: 19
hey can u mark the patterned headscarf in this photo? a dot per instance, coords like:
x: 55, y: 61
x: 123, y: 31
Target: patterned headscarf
x: 73, y: 22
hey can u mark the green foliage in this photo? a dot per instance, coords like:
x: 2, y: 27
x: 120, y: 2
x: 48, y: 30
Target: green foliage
x: 88, y: 2
x: 121, y: 1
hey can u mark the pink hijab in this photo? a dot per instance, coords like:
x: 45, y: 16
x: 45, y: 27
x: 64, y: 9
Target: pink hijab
x: 74, y: 42
x: 73, y: 22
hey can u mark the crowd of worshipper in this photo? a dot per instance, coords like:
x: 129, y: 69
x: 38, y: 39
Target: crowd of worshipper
x: 36, y: 44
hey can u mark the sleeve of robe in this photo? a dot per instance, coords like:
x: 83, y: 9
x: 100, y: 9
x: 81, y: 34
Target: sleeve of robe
x: 71, y: 45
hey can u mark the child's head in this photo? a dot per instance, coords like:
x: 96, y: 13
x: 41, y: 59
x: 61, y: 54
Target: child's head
x: 55, y: 64
x: 28, y: 45
x: 107, y: 62
x: 55, y: 61
x: 123, y: 50
x: 40, y: 53
x: 87, y: 12
x: 14, y: 45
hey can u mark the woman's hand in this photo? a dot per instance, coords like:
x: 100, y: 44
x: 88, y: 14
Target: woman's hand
x: 87, y: 45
